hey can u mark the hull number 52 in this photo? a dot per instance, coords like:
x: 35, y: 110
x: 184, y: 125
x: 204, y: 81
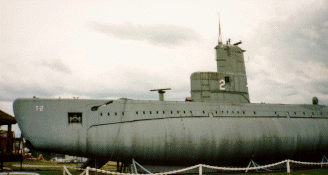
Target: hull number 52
x: 39, y: 108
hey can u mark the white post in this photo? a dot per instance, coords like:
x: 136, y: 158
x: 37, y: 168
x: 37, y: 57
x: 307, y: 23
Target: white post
x: 288, y: 166
x: 200, y: 169
x: 134, y: 166
x: 141, y: 167
x: 324, y: 159
x: 87, y: 171
x: 249, y: 165
x: 64, y: 170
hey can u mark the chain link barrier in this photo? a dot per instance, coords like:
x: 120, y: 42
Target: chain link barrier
x: 200, y: 167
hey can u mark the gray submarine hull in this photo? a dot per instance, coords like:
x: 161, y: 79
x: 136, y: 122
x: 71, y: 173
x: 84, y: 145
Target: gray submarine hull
x: 220, y: 144
x: 175, y: 133
x: 217, y: 126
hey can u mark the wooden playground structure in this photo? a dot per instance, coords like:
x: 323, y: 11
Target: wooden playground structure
x: 11, y: 148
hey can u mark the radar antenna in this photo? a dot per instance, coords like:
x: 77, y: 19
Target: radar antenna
x: 220, y: 37
x: 161, y: 93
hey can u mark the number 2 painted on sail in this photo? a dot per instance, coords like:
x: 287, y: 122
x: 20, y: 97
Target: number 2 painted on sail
x: 222, y: 83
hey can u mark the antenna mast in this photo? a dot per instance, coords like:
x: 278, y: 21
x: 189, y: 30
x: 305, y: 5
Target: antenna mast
x: 220, y: 37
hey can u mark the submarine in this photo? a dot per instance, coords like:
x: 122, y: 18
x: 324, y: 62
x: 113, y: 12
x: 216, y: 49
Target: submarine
x: 217, y: 125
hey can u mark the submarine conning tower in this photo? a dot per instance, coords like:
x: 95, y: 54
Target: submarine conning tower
x: 229, y: 83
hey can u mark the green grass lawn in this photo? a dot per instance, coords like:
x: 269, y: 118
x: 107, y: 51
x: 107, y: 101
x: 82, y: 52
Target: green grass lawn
x: 52, y: 167
x: 303, y: 172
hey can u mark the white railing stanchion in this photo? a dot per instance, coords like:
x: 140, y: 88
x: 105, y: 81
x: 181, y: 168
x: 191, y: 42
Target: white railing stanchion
x: 134, y: 166
x: 324, y: 160
x: 288, y: 166
x: 66, y: 171
x: 249, y: 165
x: 136, y: 163
x: 200, y: 168
x: 87, y: 171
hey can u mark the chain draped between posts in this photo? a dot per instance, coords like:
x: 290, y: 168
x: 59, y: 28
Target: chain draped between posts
x: 201, y: 166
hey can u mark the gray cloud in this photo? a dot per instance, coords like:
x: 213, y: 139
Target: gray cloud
x: 292, y: 52
x: 156, y: 34
x: 25, y: 91
x: 55, y: 64
x: 22, y: 77
x: 302, y: 36
x: 121, y: 81
x: 320, y: 87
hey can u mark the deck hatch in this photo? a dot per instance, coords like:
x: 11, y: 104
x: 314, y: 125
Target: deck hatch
x: 75, y: 117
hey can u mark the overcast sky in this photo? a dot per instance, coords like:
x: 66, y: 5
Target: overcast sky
x: 113, y: 49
